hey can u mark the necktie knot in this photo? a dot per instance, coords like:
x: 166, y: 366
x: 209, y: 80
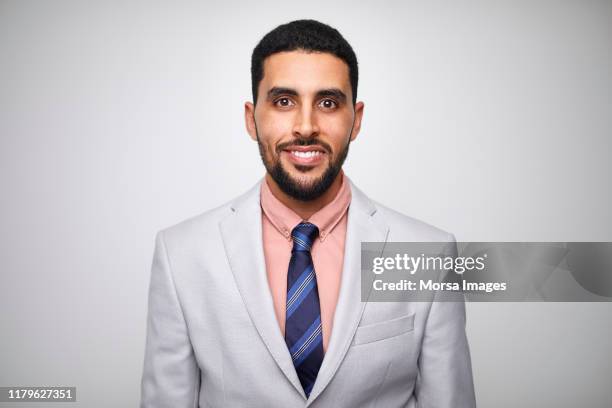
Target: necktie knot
x: 304, y: 235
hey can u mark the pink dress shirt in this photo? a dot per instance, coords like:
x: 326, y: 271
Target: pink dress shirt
x: 327, y: 251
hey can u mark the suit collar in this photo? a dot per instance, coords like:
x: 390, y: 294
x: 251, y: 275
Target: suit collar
x: 242, y: 237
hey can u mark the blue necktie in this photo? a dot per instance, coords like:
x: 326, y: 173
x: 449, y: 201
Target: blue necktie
x: 303, y: 333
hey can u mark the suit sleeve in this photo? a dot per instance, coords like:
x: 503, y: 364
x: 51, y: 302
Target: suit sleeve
x: 171, y: 376
x: 445, y: 368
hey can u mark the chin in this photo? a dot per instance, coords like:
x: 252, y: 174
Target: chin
x: 305, y: 183
x: 307, y: 176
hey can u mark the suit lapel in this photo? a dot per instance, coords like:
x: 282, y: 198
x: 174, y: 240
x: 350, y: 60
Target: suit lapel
x: 242, y: 238
x: 361, y: 227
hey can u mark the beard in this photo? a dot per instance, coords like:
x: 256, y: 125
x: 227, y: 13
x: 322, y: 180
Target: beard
x: 295, y: 188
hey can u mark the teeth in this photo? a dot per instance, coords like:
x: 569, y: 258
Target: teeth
x: 309, y: 154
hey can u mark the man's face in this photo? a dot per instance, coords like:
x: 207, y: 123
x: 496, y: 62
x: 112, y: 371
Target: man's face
x: 304, y: 120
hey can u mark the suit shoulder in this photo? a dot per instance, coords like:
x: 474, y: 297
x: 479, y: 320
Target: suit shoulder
x: 405, y: 228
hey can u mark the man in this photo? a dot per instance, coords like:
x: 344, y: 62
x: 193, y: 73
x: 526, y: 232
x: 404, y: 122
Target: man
x: 257, y: 303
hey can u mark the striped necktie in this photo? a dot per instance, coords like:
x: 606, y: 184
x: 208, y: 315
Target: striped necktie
x: 303, y: 333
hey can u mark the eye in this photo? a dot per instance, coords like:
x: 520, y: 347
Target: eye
x: 283, y: 102
x: 328, y: 104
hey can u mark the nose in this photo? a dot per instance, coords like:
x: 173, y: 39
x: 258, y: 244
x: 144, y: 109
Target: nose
x: 305, y: 123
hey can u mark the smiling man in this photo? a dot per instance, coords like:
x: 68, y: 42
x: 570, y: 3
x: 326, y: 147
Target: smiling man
x: 258, y: 302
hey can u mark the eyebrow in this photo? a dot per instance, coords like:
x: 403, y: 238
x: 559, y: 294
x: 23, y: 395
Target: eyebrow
x: 333, y: 92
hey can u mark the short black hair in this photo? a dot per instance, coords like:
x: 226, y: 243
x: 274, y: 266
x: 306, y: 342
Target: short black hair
x: 307, y: 35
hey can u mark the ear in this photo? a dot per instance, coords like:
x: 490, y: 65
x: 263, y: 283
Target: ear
x: 249, y: 119
x: 357, y: 121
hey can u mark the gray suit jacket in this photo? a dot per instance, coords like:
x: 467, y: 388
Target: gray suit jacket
x: 213, y: 339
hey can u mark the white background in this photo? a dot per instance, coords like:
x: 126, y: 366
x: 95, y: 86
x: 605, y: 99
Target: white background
x: 489, y: 119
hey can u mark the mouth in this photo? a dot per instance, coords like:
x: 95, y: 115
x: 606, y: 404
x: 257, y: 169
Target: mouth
x: 305, y: 155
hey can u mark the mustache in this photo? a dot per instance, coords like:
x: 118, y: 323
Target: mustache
x: 302, y: 142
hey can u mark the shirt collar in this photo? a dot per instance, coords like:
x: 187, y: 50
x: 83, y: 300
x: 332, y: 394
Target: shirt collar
x: 285, y: 219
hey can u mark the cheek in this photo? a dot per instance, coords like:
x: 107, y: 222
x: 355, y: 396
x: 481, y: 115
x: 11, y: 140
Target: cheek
x: 337, y: 129
x: 273, y: 129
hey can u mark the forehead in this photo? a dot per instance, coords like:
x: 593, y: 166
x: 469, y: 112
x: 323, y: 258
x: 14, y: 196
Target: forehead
x: 305, y: 71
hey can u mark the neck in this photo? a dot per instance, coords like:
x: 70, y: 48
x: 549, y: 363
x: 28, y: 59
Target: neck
x: 305, y: 209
